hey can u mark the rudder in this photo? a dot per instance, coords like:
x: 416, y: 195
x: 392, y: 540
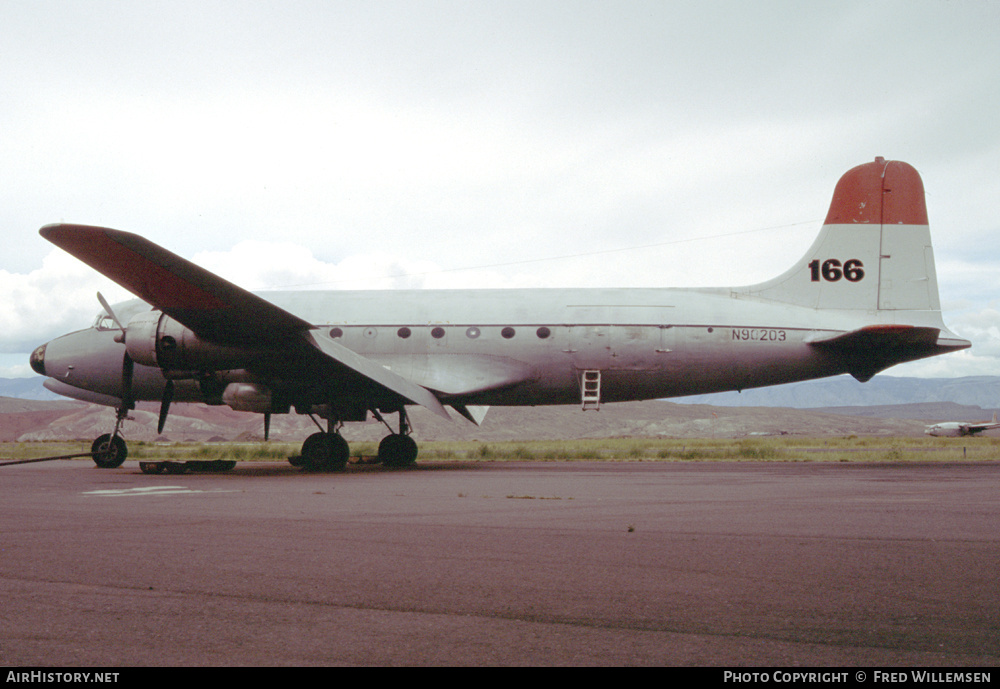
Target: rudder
x: 873, y: 251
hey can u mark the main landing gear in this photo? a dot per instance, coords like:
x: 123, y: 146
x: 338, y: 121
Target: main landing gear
x: 323, y: 451
x: 328, y: 451
x: 397, y: 449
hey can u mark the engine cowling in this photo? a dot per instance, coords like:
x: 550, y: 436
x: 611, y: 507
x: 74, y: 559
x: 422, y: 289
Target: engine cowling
x: 249, y: 397
x: 153, y: 338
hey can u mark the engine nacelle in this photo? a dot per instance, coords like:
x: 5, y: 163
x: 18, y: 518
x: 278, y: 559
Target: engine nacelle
x: 248, y: 397
x: 154, y: 339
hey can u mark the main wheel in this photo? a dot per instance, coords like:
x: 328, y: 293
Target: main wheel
x: 325, y: 452
x: 109, y: 451
x: 397, y: 450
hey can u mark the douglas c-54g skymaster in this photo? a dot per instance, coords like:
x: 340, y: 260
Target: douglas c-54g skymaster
x: 864, y: 298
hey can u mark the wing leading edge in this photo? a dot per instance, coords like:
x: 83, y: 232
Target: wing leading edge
x: 213, y: 308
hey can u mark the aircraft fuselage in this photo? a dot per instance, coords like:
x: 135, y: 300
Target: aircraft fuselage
x: 511, y: 347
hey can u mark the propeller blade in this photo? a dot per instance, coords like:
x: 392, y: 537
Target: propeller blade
x: 128, y: 367
x: 267, y: 425
x: 168, y: 396
x: 107, y: 307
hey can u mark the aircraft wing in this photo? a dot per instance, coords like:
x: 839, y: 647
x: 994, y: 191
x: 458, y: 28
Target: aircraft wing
x: 973, y: 428
x: 219, y: 311
x: 979, y: 427
x: 214, y: 309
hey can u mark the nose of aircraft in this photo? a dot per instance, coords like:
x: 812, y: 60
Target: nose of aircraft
x: 89, y: 359
x: 37, y: 360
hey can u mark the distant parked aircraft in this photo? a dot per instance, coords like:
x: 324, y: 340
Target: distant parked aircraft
x: 955, y: 429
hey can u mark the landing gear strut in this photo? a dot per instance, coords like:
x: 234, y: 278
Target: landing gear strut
x: 323, y: 451
x: 109, y: 450
x: 398, y: 449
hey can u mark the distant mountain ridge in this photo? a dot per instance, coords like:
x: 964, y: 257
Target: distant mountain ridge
x: 844, y: 391
x: 26, y: 389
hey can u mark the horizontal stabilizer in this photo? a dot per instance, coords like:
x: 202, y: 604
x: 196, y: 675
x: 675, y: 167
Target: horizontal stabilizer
x: 874, y: 348
x: 879, y: 336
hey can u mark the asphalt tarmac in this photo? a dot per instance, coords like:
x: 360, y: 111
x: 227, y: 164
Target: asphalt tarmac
x: 466, y: 563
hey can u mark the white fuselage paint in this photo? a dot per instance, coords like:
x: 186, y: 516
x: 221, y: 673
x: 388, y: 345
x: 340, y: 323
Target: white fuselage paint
x: 648, y: 343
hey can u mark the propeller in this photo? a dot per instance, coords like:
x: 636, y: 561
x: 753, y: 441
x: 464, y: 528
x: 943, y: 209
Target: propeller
x: 110, y: 311
x: 128, y: 369
x: 128, y: 366
x: 168, y: 396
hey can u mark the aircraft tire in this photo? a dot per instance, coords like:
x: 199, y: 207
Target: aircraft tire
x: 325, y: 452
x: 397, y: 450
x: 109, y: 451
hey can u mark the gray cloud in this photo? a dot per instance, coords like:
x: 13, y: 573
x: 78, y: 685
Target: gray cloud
x: 431, y: 136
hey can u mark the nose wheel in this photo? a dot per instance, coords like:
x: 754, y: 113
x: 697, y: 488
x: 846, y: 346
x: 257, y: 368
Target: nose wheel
x: 109, y: 451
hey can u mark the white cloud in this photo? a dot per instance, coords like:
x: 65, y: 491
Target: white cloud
x: 59, y: 297
x: 347, y: 144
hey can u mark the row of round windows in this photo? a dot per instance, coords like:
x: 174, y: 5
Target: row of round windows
x: 438, y: 332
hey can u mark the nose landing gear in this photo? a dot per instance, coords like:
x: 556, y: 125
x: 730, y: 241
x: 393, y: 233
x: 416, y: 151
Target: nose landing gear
x: 109, y: 450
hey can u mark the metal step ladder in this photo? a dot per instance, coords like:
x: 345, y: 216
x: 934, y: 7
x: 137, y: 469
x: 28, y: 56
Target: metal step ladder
x: 590, y: 390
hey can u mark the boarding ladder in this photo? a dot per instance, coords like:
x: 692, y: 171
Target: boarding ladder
x: 590, y: 390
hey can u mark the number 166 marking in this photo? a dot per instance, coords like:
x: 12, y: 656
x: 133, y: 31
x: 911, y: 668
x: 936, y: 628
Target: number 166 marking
x: 831, y: 270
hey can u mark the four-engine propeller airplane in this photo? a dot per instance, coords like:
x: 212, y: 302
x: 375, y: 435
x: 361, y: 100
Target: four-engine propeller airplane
x: 864, y: 298
x: 958, y: 429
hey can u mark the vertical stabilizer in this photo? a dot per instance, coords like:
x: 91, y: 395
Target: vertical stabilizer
x: 873, y: 252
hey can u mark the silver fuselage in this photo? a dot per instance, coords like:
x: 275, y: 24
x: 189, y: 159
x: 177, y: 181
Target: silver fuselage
x: 522, y: 346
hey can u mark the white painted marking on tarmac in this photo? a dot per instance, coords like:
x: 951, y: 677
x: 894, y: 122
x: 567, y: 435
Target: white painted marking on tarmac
x: 151, y: 490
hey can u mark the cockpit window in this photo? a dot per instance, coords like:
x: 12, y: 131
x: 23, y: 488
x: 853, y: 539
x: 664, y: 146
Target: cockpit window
x: 105, y: 322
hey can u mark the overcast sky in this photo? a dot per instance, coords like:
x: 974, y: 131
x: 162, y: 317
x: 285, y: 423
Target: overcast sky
x: 352, y: 145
